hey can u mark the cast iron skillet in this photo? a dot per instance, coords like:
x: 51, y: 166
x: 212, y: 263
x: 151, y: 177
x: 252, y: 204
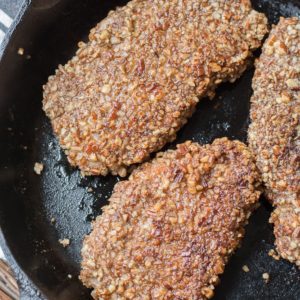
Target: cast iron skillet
x: 49, y: 31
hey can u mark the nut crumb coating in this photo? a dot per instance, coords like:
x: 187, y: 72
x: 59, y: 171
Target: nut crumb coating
x: 274, y: 133
x: 169, y: 230
x: 132, y: 86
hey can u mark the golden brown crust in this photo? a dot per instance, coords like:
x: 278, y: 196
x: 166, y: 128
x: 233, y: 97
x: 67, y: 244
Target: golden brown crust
x: 169, y: 230
x: 134, y: 84
x: 274, y: 133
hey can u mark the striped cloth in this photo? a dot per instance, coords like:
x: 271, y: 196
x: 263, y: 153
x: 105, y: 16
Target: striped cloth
x: 8, y: 10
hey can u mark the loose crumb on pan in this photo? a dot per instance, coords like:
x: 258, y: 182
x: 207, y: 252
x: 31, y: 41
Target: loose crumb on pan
x: 170, y: 229
x: 274, y: 254
x: 70, y: 276
x: 266, y: 277
x: 65, y: 242
x: 21, y: 51
x: 53, y: 220
x: 38, y: 168
x: 208, y: 292
x: 246, y: 268
x: 274, y: 133
x: 134, y: 84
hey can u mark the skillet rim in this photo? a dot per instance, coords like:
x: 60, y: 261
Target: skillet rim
x: 26, y: 286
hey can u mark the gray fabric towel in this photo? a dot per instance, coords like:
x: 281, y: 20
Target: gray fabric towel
x: 8, y: 10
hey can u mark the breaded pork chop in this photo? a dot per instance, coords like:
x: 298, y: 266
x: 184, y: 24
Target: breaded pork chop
x: 169, y: 230
x: 128, y: 90
x: 274, y: 135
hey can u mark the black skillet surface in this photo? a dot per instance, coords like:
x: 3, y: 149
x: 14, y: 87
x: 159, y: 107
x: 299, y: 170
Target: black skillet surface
x: 49, y: 32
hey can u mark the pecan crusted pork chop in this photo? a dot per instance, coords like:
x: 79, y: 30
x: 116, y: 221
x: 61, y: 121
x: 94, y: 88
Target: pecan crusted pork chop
x: 128, y: 90
x: 169, y: 230
x: 274, y: 135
